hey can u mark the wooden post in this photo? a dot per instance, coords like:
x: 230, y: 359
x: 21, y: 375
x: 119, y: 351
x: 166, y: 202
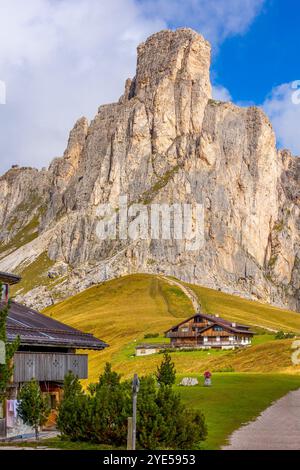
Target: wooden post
x: 3, y: 426
x: 135, y: 390
x: 129, y: 434
x: 134, y: 402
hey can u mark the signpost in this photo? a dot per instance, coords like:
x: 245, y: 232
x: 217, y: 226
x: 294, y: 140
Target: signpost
x: 129, y: 434
x: 131, y: 439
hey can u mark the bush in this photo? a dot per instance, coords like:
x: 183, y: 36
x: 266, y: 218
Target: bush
x: 151, y: 335
x: 163, y: 420
x: 283, y: 335
x: 100, y: 416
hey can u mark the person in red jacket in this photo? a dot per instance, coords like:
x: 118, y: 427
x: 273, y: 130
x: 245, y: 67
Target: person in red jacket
x: 207, y: 378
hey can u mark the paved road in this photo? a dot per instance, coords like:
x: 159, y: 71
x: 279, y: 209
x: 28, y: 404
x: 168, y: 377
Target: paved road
x: 277, y: 428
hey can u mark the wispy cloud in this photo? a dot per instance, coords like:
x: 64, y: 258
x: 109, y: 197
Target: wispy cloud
x: 221, y: 93
x: 60, y: 59
x: 283, y: 108
x: 215, y: 19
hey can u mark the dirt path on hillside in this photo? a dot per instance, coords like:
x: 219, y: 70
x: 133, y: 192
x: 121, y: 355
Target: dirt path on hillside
x: 186, y: 290
x: 277, y: 428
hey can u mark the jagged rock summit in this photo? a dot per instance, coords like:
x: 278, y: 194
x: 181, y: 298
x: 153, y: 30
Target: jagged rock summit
x: 165, y: 141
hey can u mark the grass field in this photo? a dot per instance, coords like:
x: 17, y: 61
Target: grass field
x: 123, y: 310
x: 235, y: 399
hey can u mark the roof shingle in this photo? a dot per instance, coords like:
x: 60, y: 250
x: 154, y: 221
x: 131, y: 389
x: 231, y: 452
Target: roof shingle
x: 37, y: 329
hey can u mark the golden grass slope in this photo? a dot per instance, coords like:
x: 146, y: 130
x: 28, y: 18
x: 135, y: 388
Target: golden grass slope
x: 123, y: 310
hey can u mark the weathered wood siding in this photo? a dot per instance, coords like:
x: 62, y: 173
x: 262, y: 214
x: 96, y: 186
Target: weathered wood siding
x: 48, y: 366
x: 2, y: 427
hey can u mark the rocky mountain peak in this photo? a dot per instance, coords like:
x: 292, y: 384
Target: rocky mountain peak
x: 165, y: 141
x: 173, y: 56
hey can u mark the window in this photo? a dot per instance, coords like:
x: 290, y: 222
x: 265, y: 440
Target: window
x: 217, y: 328
x: 184, y: 329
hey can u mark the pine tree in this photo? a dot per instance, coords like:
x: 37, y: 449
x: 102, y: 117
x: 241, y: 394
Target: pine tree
x: 33, y: 407
x: 73, y: 412
x: 164, y: 422
x: 109, y: 377
x: 166, y: 373
x: 6, y: 370
x: 111, y: 408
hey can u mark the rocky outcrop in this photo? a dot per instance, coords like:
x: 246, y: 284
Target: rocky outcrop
x: 165, y: 141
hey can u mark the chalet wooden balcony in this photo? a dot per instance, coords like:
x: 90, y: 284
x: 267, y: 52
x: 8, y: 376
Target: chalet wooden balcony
x: 212, y: 344
x: 221, y: 343
x: 48, y: 366
x: 181, y: 334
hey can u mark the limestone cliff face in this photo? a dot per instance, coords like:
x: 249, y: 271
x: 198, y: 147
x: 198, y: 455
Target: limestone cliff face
x: 165, y: 141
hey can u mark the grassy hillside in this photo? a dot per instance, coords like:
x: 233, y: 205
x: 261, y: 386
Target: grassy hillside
x: 123, y: 310
x: 246, y: 311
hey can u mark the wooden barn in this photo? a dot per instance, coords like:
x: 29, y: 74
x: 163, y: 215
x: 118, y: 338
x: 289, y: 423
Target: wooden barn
x: 47, y: 351
x: 208, y: 331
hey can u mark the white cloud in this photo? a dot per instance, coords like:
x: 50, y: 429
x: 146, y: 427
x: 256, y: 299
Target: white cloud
x: 283, y: 108
x: 61, y: 59
x: 215, y: 19
x: 221, y: 93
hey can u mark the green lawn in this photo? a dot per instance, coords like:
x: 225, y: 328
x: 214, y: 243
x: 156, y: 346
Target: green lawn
x: 262, y: 339
x: 232, y: 400
x: 235, y: 399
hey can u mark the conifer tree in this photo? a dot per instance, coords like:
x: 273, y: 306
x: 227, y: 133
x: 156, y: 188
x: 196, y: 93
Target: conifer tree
x: 33, y: 407
x: 166, y: 373
x: 6, y: 370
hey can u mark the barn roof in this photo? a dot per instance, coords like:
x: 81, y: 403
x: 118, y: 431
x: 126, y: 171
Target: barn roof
x: 36, y: 329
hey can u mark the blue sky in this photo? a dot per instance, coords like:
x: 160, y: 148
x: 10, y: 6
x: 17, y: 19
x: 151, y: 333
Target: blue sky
x: 251, y: 65
x: 61, y: 59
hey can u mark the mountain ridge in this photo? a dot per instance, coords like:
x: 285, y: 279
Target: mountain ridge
x: 165, y: 141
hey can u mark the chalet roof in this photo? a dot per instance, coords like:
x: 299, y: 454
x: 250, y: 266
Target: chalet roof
x: 9, y: 278
x: 216, y: 320
x: 36, y: 329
